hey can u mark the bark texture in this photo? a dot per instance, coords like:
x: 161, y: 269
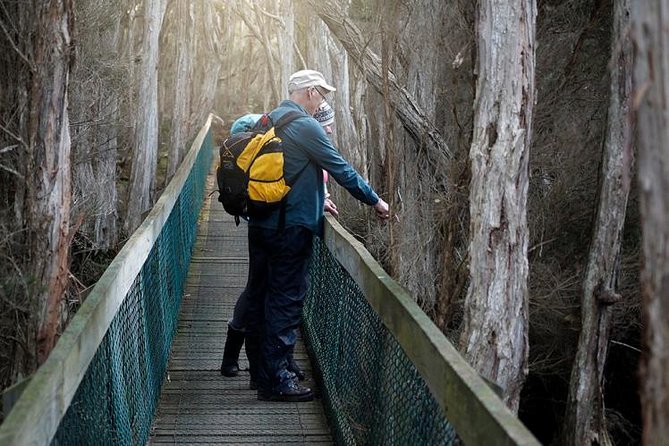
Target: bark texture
x: 494, y: 338
x: 327, y: 56
x: 142, y: 185
x: 48, y: 201
x: 205, y: 76
x: 651, y: 81
x: 179, y: 121
x: 286, y: 43
x: 585, y: 421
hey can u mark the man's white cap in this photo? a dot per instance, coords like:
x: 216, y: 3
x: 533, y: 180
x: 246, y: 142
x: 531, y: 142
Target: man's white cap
x: 308, y: 78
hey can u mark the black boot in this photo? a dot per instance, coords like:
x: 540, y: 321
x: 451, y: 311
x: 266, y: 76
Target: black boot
x: 293, y: 367
x: 233, y: 345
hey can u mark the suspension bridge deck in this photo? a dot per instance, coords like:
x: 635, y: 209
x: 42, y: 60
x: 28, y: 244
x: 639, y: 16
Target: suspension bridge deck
x: 388, y: 374
x: 197, y: 404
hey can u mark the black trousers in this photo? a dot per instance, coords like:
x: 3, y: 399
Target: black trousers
x: 277, y: 284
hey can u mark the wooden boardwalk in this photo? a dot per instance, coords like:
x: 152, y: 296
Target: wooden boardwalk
x: 198, y: 405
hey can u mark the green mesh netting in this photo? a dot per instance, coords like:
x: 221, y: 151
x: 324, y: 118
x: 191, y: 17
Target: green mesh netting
x: 373, y: 393
x: 117, y: 397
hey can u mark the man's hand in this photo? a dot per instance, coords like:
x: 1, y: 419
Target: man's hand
x: 330, y: 207
x: 382, y: 210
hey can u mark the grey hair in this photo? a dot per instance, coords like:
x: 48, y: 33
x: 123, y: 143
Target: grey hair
x: 292, y: 88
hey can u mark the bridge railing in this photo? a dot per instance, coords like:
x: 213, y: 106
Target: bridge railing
x: 389, y: 375
x: 101, y: 383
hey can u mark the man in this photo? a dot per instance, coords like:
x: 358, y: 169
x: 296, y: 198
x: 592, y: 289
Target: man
x: 234, y: 339
x: 279, y: 251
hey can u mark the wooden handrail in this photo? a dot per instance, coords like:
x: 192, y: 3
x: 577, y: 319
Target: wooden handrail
x: 478, y: 415
x: 35, y: 417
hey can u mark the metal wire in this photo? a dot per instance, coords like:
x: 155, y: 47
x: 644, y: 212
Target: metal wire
x: 117, y: 398
x: 374, y: 395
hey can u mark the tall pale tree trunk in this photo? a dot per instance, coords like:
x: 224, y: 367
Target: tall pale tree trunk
x: 209, y: 52
x: 185, y: 48
x: 329, y: 57
x: 145, y: 147
x: 230, y: 81
x: 286, y: 42
x: 585, y: 421
x: 257, y: 23
x: 48, y: 201
x: 273, y: 74
x: 494, y: 338
x: 651, y: 81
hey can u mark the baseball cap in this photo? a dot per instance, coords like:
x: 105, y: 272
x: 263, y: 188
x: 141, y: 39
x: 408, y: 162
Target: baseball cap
x: 308, y: 78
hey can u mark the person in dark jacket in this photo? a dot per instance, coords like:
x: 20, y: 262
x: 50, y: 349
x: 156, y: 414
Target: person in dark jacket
x: 234, y: 339
x: 280, y: 246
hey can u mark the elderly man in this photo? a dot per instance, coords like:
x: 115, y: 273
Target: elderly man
x: 279, y: 251
x: 234, y: 339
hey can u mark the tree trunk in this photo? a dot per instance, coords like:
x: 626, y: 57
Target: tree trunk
x: 330, y: 58
x: 258, y: 28
x: 585, y: 421
x: 179, y: 125
x: 209, y: 49
x: 272, y: 78
x: 286, y: 40
x: 494, y: 339
x: 651, y: 80
x: 413, y: 118
x: 145, y: 148
x: 105, y: 230
x: 47, y: 205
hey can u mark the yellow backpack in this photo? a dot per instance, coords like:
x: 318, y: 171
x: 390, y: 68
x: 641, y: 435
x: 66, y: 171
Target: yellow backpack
x: 250, y: 173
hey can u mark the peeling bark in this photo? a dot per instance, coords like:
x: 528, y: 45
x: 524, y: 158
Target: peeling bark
x: 141, y: 189
x: 48, y: 201
x: 179, y: 123
x: 585, y: 421
x: 494, y: 338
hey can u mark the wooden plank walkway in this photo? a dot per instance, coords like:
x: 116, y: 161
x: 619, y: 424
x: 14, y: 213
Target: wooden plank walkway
x: 198, y: 405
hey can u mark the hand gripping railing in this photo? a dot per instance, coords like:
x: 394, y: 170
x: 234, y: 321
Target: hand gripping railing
x: 389, y: 375
x: 101, y: 383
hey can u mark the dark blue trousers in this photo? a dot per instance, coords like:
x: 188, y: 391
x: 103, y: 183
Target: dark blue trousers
x: 277, y: 284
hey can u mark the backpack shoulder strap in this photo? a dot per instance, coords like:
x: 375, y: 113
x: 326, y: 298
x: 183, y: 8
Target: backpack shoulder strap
x: 288, y: 117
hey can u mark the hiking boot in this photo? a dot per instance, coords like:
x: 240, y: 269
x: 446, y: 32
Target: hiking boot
x: 293, y: 367
x: 233, y: 345
x: 288, y: 391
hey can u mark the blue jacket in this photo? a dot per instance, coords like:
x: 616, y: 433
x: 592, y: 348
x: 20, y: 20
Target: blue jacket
x: 306, y: 146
